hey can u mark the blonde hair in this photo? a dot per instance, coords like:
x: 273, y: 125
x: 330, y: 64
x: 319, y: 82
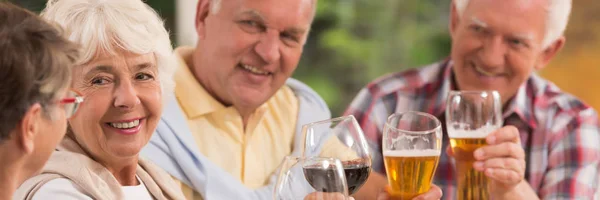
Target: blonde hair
x: 112, y: 25
x: 556, y: 21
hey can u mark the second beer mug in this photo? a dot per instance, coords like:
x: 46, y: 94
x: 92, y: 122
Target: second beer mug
x: 412, y: 143
x: 470, y: 117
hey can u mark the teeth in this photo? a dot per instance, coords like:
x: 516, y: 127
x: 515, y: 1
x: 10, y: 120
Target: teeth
x: 255, y: 70
x: 126, y: 125
x: 484, y: 72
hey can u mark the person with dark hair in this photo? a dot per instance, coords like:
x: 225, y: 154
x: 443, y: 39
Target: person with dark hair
x: 35, y: 102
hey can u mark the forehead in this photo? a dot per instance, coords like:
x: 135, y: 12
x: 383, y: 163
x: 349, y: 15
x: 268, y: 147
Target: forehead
x: 510, y: 15
x: 276, y: 12
x: 123, y: 56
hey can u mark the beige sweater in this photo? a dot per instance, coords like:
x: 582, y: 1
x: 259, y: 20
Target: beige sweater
x: 70, y: 161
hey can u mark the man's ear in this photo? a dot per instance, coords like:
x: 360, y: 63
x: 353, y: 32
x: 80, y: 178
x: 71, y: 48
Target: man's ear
x: 550, y: 52
x: 202, y: 11
x: 454, y: 19
x: 28, y: 128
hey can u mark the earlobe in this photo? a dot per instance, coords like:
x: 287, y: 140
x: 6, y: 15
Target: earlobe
x: 550, y: 52
x: 28, y: 128
x: 202, y: 11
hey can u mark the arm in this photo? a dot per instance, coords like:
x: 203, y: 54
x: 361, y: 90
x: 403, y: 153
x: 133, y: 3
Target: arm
x: 574, y: 159
x: 60, y: 188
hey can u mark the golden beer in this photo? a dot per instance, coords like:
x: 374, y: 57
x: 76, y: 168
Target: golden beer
x: 410, y: 172
x: 471, y: 184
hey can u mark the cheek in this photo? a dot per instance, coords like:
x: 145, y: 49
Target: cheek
x: 289, y: 60
x: 151, y: 99
x: 89, y: 113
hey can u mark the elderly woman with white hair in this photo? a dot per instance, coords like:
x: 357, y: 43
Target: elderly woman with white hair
x: 125, y: 70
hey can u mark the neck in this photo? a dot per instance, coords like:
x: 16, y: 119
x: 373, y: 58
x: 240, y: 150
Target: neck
x: 8, y: 186
x: 124, y: 171
x: 11, y: 172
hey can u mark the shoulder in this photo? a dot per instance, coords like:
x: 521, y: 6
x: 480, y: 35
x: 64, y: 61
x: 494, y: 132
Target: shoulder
x: 550, y: 98
x: 564, y: 116
x: 387, y: 90
x: 60, y: 188
x: 307, y: 98
x: 408, y: 81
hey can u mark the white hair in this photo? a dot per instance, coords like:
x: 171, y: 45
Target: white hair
x: 556, y: 22
x: 215, y: 6
x: 113, y: 25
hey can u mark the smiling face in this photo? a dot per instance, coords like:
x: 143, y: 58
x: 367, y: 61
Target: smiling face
x: 496, y: 45
x: 249, y: 48
x: 122, y: 105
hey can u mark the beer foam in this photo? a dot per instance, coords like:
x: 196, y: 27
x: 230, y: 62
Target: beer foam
x: 412, y: 153
x: 477, y: 133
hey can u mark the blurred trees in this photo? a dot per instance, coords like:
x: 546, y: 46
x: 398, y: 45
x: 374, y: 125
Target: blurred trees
x: 353, y: 42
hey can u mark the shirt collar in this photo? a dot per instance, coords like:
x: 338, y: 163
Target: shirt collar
x: 520, y: 105
x: 193, y: 98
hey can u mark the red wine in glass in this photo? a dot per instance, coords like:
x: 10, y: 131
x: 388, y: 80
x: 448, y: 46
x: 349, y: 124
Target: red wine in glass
x: 323, y: 179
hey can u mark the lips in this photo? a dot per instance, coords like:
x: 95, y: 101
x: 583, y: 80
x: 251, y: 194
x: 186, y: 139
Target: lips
x: 126, y: 127
x: 482, y: 72
x: 254, y: 70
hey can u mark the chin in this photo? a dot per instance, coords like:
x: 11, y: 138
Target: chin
x: 126, y: 150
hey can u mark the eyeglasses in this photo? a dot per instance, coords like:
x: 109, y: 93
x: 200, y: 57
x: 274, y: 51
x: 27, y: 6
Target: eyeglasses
x: 71, y: 102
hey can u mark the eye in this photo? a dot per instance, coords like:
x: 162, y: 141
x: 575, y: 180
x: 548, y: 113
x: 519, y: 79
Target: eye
x: 515, y: 42
x: 251, y: 26
x: 476, y: 28
x: 143, y: 76
x: 288, y: 36
x: 100, y: 81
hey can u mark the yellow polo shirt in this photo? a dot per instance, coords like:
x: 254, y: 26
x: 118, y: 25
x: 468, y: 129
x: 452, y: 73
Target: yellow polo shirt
x: 250, y: 155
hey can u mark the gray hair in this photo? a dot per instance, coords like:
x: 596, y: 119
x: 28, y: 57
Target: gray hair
x: 556, y: 21
x: 112, y: 25
x: 216, y: 6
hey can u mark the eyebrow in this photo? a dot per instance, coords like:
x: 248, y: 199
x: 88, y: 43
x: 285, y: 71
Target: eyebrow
x: 144, y: 65
x: 479, y: 22
x: 257, y: 16
x: 523, y: 36
x: 296, y: 31
x: 254, y: 14
x: 101, y: 68
x: 97, y: 69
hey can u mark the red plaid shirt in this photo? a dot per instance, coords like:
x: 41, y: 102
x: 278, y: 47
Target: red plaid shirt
x: 560, y: 134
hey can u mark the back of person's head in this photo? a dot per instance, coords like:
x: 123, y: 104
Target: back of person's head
x: 114, y: 26
x: 35, y: 64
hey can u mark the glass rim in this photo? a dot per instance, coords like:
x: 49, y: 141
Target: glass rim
x: 459, y: 92
x: 438, y: 124
x: 331, y: 120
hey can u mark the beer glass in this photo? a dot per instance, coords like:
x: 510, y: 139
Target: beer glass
x: 340, y: 138
x: 412, y: 143
x: 311, y: 178
x: 470, y: 117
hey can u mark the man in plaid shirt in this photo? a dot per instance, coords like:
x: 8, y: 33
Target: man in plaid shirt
x: 549, y: 147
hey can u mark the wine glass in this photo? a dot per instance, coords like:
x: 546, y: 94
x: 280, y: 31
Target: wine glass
x: 311, y: 178
x: 470, y: 117
x: 340, y: 138
x: 412, y: 143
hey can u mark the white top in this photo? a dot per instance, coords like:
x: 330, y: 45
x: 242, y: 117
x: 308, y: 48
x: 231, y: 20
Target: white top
x: 64, y: 189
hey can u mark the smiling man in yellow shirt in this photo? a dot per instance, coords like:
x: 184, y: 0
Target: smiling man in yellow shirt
x: 236, y: 113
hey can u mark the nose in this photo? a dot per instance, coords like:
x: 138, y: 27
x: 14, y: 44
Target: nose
x: 268, y: 47
x: 493, y: 53
x: 126, y: 96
